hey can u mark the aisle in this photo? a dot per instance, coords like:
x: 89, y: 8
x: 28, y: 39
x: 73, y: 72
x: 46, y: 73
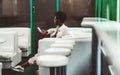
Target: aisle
x: 30, y: 70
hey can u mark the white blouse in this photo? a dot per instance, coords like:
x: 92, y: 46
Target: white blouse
x: 60, y: 32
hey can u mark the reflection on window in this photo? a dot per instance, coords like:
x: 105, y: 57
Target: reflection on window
x: 14, y: 13
x: 9, y: 7
x: 76, y: 10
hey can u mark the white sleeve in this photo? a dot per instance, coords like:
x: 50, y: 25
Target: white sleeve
x: 51, y: 30
x: 64, y: 33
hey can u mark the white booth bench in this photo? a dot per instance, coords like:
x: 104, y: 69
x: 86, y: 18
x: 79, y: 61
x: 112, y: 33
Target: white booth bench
x: 90, y: 21
x: 81, y: 50
x: 79, y: 30
x: 10, y: 54
x: 24, y: 38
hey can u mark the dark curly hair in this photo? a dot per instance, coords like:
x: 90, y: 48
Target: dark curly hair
x: 61, y: 16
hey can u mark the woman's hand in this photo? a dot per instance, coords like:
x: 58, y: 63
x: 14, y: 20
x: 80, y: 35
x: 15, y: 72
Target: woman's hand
x: 44, y: 32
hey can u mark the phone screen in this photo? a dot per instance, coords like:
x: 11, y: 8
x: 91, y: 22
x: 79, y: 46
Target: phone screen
x: 39, y: 29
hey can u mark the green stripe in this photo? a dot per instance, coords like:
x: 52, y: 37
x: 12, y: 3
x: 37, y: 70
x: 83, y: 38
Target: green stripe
x: 57, y: 4
x: 102, y: 11
x: 31, y: 14
x: 99, y: 8
x: 32, y: 27
x: 112, y: 9
x: 96, y: 8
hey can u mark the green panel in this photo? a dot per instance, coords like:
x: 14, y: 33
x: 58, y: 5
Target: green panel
x: 104, y: 8
x: 97, y: 8
x: 32, y: 26
x: 101, y: 9
x: 96, y: 3
x: 57, y: 4
x: 112, y: 9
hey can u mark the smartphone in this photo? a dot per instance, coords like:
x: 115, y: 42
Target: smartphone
x: 39, y: 29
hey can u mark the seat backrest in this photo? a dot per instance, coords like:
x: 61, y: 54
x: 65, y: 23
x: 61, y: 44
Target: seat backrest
x: 94, y: 19
x: 8, y: 42
x: 24, y: 36
x: 46, y: 42
x: 78, y: 29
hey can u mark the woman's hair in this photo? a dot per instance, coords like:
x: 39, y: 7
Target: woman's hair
x: 61, y: 16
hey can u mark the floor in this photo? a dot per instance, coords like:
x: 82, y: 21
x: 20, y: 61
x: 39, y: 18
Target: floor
x: 30, y: 70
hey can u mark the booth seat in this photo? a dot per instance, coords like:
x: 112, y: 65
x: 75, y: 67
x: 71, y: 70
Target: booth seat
x: 81, y: 33
x: 82, y: 50
x: 45, y: 43
x: 24, y: 38
x: 80, y: 58
x: 52, y: 64
x: 78, y: 36
x: 10, y: 54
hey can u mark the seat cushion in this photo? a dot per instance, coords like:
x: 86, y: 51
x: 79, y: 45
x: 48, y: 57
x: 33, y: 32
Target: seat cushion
x: 52, y: 60
x: 58, y: 51
x: 65, y: 42
x: 70, y: 46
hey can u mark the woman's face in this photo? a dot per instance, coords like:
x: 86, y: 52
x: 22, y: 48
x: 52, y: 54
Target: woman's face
x: 56, y: 21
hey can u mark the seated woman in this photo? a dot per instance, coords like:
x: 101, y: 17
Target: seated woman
x: 61, y: 31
